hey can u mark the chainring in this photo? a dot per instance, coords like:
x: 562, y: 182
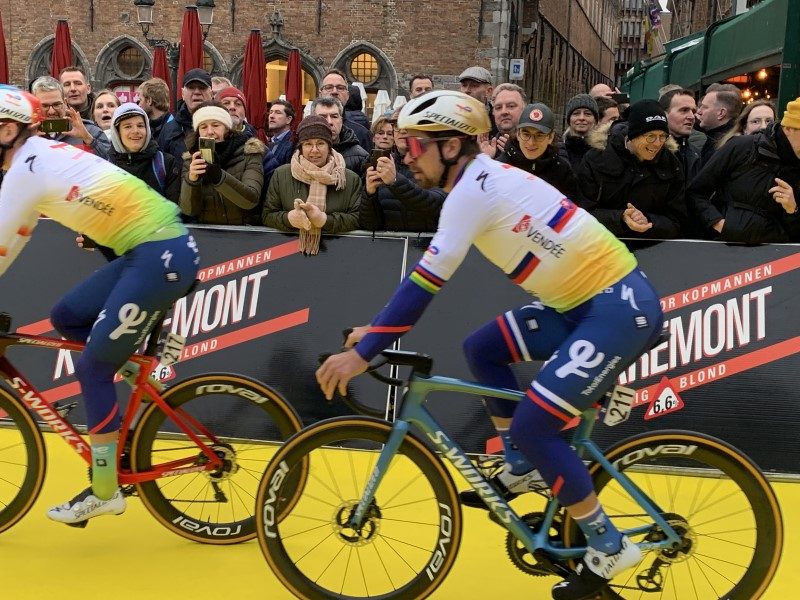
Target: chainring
x: 519, y: 554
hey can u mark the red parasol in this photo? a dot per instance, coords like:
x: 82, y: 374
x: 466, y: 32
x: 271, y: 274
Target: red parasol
x: 161, y: 70
x: 254, y: 81
x: 294, y: 86
x: 191, y: 43
x: 3, y: 55
x: 62, y: 49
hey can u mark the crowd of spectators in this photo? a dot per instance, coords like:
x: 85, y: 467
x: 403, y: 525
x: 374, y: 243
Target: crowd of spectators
x: 678, y: 166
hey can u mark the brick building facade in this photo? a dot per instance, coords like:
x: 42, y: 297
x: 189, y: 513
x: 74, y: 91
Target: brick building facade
x: 567, y: 45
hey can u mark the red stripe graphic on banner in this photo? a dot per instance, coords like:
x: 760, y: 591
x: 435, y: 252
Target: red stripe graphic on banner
x: 207, y: 346
x: 731, y: 282
x: 249, y: 261
x: 726, y: 368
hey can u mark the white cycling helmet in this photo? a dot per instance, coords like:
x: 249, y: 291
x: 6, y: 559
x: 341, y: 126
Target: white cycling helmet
x: 443, y: 111
x: 19, y: 106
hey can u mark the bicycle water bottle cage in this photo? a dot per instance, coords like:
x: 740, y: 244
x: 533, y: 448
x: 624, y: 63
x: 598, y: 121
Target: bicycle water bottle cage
x: 5, y: 322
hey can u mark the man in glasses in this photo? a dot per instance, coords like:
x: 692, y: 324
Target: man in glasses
x: 595, y: 314
x: 632, y: 179
x: 82, y: 133
x: 334, y: 84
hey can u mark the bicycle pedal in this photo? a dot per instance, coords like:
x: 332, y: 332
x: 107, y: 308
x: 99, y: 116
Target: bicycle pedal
x: 79, y: 525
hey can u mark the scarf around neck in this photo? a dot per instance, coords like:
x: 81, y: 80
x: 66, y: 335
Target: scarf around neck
x: 318, y: 180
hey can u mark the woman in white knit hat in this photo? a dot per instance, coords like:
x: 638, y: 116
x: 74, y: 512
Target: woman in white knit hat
x: 225, y: 190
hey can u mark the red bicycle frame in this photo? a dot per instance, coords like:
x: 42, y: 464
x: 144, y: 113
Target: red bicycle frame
x: 36, y: 403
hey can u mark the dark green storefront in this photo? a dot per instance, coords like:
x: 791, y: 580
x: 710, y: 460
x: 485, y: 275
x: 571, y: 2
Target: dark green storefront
x: 767, y: 35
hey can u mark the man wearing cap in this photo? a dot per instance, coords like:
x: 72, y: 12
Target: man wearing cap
x: 631, y: 178
x: 748, y: 192
x: 477, y: 82
x: 532, y: 150
x: 233, y: 99
x: 196, y: 90
x: 582, y: 116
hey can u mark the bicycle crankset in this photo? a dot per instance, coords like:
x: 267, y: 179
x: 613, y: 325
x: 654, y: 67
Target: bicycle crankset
x: 537, y: 566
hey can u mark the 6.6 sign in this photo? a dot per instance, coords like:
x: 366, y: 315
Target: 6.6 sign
x: 666, y: 400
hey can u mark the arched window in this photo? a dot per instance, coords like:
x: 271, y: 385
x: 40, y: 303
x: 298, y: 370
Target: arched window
x: 366, y: 63
x: 122, y: 64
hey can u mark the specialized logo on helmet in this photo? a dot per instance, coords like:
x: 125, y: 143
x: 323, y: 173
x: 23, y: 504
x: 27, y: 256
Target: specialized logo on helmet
x: 450, y: 121
x: 536, y: 115
x: 464, y: 108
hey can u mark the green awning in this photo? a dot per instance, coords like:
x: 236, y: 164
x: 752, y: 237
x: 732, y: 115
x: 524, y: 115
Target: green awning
x: 653, y: 80
x: 687, y: 64
x: 748, y: 42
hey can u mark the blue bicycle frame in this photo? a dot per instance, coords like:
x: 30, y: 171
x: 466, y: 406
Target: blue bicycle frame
x: 413, y: 412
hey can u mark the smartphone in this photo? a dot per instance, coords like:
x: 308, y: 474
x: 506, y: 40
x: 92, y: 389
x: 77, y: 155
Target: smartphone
x: 55, y: 125
x: 206, y: 146
x: 621, y: 98
x: 376, y: 154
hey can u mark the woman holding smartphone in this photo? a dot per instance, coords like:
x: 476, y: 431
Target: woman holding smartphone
x: 222, y: 172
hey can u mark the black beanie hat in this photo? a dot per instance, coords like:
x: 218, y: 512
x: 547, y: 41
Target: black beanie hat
x: 646, y: 116
x: 314, y: 127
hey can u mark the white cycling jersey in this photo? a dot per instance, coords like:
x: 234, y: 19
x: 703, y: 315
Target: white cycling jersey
x: 83, y: 192
x: 539, y: 238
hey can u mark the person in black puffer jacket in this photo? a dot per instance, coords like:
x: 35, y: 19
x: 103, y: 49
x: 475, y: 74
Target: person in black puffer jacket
x: 749, y: 189
x: 631, y: 180
x: 134, y: 150
x: 532, y: 150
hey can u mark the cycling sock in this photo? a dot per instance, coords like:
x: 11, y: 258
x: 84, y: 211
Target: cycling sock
x: 600, y: 531
x: 519, y: 465
x: 104, y: 470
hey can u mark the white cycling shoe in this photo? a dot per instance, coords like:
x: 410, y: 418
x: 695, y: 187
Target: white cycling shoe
x: 596, y: 570
x: 85, y: 506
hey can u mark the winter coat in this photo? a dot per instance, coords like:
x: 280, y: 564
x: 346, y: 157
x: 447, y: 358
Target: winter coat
x: 140, y: 164
x: 355, y: 119
x: 341, y: 206
x: 735, y: 184
x: 573, y: 148
x: 611, y: 177
x: 689, y: 158
x: 234, y: 199
x: 401, y: 206
x: 169, y: 135
x: 550, y: 166
x: 355, y: 157
x: 713, y: 136
x: 279, y: 153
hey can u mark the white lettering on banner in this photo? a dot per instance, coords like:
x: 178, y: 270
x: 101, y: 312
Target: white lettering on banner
x: 583, y: 355
x: 233, y: 266
x: 705, y: 333
x: 714, y: 288
x: 218, y: 306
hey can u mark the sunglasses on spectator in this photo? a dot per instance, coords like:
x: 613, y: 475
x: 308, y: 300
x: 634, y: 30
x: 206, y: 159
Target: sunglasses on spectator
x: 331, y: 87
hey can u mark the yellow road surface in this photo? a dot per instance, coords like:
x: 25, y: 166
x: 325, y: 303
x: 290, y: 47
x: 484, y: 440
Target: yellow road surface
x: 133, y: 557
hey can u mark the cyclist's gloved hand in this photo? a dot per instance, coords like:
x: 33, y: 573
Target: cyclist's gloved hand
x: 213, y: 174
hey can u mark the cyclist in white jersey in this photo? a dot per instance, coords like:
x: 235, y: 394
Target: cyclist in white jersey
x: 119, y: 303
x: 596, y: 312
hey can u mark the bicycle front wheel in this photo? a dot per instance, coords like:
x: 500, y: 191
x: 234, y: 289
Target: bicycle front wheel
x: 244, y: 422
x: 714, y: 496
x: 405, y: 545
x: 22, y: 461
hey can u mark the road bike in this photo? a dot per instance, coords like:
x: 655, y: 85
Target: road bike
x: 193, y: 452
x: 358, y: 507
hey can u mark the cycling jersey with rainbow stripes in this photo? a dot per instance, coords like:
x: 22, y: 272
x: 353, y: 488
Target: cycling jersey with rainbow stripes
x: 83, y: 192
x: 540, y: 239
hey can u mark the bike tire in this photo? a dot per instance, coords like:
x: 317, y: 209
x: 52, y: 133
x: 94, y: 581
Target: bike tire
x: 405, y: 548
x: 190, y: 504
x: 714, y: 495
x: 23, y: 460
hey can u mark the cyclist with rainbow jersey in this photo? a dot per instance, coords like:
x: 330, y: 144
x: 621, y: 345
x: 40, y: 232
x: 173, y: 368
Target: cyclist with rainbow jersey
x: 120, y: 302
x: 595, y: 314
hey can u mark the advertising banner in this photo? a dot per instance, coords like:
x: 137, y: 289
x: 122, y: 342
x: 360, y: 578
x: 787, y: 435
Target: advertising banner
x: 730, y: 367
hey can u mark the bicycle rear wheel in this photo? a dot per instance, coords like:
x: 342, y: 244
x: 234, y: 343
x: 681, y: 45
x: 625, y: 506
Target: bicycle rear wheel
x: 710, y: 493
x: 22, y: 461
x: 248, y: 420
x: 404, y: 548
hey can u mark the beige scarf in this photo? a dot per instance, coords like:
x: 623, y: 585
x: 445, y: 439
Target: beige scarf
x: 318, y: 180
